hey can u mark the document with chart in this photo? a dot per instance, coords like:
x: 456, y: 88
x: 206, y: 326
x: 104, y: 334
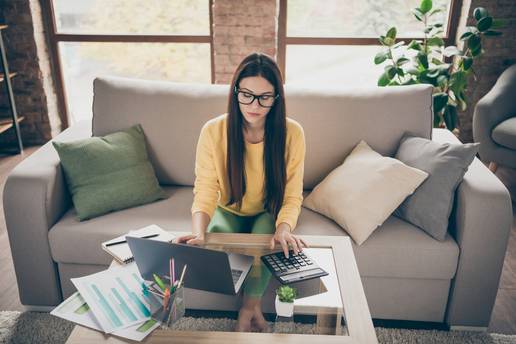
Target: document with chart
x: 116, y: 297
x: 77, y: 310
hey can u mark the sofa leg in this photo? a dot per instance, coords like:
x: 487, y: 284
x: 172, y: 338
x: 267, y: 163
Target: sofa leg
x: 468, y: 328
x: 493, y: 166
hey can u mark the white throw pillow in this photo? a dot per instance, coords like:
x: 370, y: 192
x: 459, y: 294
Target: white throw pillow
x: 364, y: 191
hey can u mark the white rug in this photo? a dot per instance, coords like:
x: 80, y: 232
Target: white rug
x: 32, y: 327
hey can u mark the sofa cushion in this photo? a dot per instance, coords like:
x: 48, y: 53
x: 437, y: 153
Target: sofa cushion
x: 431, y: 204
x: 505, y: 133
x: 108, y: 173
x: 395, y: 249
x: 363, y: 192
x: 334, y: 120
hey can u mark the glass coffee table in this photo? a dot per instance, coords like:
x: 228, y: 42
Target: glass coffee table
x: 332, y: 309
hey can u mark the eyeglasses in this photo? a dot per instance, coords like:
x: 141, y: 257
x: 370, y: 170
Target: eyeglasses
x: 246, y: 98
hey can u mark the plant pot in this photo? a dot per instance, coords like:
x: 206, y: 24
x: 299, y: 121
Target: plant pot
x: 284, y: 309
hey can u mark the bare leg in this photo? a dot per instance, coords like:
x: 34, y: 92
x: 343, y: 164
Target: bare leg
x: 250, y: 316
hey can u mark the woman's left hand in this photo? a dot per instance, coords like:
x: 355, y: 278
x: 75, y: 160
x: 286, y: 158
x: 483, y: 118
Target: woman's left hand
x: 284, y: 237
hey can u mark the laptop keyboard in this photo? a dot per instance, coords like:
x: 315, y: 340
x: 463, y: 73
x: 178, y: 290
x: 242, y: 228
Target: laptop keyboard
x: 236, y: 275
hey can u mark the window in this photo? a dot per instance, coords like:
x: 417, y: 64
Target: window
x: 153, y: 39
x: 335, y: 43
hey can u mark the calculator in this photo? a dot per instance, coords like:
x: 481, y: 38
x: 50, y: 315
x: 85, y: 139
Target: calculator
x: 295, y: 268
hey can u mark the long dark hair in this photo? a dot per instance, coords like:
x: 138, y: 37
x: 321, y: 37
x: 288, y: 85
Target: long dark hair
x: 274, y: 137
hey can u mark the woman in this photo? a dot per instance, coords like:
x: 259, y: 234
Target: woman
x: 253, y: 156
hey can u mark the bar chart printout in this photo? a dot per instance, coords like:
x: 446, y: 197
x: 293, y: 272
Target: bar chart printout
x: 116, y: 297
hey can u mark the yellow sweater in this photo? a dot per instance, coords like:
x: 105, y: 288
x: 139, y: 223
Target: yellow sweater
x: 211, y: 186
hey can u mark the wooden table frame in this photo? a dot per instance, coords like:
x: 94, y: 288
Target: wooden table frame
x: 358, y: 318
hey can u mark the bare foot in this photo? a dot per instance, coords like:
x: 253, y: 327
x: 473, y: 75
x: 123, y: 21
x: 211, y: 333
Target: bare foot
x: 245, y: 316
x: 258, y: 321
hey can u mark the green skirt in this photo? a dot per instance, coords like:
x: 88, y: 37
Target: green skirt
x: 224, y: 221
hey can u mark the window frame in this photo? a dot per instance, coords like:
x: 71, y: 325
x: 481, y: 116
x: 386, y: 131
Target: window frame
x: 54, y: 38
x: 284, y: 40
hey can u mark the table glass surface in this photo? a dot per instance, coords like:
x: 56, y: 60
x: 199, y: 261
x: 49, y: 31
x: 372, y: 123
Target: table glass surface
x: 318, y: 308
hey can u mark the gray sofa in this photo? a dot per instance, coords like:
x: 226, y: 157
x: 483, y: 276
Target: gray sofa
x: 494, y: 122
x: 406, y: 274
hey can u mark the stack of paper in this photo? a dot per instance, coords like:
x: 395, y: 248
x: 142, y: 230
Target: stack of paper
x: 114, y: 301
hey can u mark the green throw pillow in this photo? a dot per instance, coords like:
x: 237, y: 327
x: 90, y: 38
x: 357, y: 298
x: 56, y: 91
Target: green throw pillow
x: 109, y: 173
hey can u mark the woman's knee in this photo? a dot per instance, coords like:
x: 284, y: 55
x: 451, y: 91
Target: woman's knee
x: 263, y: 224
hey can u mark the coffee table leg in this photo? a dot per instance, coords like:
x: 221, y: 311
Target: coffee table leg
x: 328, y: 322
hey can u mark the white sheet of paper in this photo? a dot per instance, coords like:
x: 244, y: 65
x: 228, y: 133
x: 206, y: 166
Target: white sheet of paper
x: 76, y: 309
x: 116, y: 297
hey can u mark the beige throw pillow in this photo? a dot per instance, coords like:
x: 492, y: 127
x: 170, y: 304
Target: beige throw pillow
x: 364, y: 191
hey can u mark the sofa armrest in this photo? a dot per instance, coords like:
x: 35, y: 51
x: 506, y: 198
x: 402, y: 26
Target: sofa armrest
x: 480, y: 223
x: 495, y: 107
x: 35, y: 197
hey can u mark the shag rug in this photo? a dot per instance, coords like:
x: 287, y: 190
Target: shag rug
x: 33, y: 327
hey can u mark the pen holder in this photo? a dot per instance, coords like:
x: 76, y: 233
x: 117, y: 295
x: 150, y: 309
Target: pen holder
x: 174, y: 309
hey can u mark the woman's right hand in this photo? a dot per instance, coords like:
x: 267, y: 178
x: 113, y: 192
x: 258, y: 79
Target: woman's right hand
x: 190, y: 239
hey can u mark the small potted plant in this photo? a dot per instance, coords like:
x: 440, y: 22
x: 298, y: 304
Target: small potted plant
x: 285, y: 296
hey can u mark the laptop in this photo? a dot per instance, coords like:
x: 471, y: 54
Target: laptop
x: 209, y: 270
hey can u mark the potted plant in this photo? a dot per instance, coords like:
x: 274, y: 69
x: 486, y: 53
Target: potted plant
x: 429, y: 61
x: 285, y: 296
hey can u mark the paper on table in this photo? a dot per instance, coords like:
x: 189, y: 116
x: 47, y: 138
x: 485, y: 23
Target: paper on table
x: 122, y: 253
x: 77, y: 310
x: 116, y: 297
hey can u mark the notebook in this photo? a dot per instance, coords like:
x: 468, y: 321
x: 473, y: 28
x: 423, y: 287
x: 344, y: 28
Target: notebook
x: 122, y: 253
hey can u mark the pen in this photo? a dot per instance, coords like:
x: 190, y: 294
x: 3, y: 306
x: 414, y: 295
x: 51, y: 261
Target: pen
x: 182, y: 275
x: 122, y: 241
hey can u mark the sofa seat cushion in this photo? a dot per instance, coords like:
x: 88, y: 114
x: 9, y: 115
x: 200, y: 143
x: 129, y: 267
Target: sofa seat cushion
x: 505, y: 133
x: 396, y: 249
x: 77, y: 242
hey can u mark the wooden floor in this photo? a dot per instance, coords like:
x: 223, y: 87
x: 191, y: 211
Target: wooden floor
x: 503, y: 319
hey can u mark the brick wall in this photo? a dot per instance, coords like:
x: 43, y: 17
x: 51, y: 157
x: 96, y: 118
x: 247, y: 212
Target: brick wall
x: 27, y: 55
x: 500, y: 52
x: 240, y: 28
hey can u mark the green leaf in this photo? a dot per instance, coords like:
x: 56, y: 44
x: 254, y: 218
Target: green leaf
x: 480, y: 13
x: 391, y: 71
x: 438, y: 41
x: 418, y: 14
x: 432, y: 72
x: 414, y: 45
x: 436, y: 11
x: 438, y: 24
x: 401, y: 61
x: 409, y: 82
x: 492, y: 33
x: 383, y: 80
x: 477, y: 51
x: 436, y: 61
x: 391, y: 33
x: 381, y: 56
x: 467, y: 62
x: 474, y: 42
x: 458, y: 81
x: 425, y: 6
x: 440, y: 100
x: 484, y: 24
x: 422, y: 59
x: 466, y: 35
x: 389, y: 41
x: 451, y: 51
x: 450, y: 117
